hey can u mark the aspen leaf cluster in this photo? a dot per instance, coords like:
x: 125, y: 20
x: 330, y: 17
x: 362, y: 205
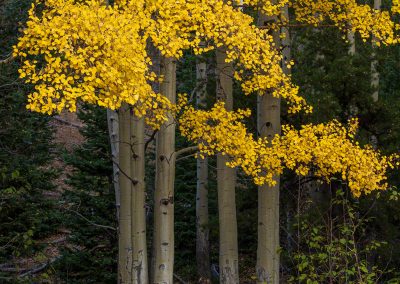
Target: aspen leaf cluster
x: 349, y: 15
x: 326, y: 149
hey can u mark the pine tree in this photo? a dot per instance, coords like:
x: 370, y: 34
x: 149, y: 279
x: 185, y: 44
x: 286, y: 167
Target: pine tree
x: 89, y: 210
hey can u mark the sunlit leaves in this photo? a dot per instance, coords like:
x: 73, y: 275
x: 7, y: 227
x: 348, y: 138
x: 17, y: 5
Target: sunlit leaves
x: 328, y: 149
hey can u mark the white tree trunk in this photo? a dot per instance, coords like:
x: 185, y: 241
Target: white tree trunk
x: 124, y: 241
x: 202, y: 226
x: 113, y: 133
x: 269, y: 124
x: 352, y: 41
x: 163, y: 246
x: 374, y: 63
x: 139, y: 245
x: 226, y: 178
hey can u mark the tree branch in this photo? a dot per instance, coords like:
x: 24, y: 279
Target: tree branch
x: 90, y: 222
x: 9, y: 59
x: 179, y: 279
x: 40, y: 267
x: 185, y: 157
x: 152, y: 137
x: 67, y: 122
x: 185, y: 150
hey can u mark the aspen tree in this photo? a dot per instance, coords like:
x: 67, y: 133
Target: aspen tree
x: 163, y: 245
x: 113, y: 134
x: 202, y: 226
x: 374, y: 63
x: 139, y: 268
x: 352, y: 42
x: 125, y: 218
x: 226, y: 179
x: 268, y: 125
x: 138, y: 199
x: 374, y: 72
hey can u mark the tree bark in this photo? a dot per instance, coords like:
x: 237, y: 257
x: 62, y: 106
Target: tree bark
x: 374, y: 63
x: 352, y: 41
x: 139, y: 245
x: 375, y: 75
x: 163, y: 265
x: 113, y: 133
x: 202, y: 228
x: 226, y: 179
x: 124, y: 241
x: 269, y: 124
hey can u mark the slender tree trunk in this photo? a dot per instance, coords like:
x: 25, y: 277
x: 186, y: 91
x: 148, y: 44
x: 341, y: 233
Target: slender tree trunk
x: 120, y: 156
x: 155, y: 56
x: 202, y: 228
x: 374, y: 63
x: 375, y: 74
x: 269, y: 124
x: 124, y: 241
x: 139, y: 245
x: 113, y: 133
x: 163, y: 265
x: 226, y: 178
x: 352, y: 41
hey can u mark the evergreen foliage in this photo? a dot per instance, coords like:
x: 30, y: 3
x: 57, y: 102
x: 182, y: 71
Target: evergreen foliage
x: 89, y: 209
x: 26, y: 153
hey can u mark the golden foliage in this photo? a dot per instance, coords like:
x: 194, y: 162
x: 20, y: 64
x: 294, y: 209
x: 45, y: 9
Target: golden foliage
x: 97, y: 54
x: 349, y: 15
x: 328, y: 149
x: 84, y: 51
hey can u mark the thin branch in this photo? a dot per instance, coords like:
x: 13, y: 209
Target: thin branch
x: 124, y: 173
x: 8, y: 244
x: 152, y: 137
x: 9, y: 59
x: 180, y: 279
x: 16, y: 82
x: 185, y: 157
x: 40, y: 267
x: 67, y: 122
x: 90, y: 222
x: 185, y: 150
x: 172, y: 158
x: 9, y: 268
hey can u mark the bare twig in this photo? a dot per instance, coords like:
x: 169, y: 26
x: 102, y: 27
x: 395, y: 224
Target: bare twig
x: 67, y: 122
x: 152, y: 137
x: 185, y: 157
x: 9, y: 59
x: 16, y: 82
x: 40, y: 267
x: 90, y: 222
x: 177, y: 277
x: 182, y: 151
x: 185, y: 150
x: 123, y: 172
